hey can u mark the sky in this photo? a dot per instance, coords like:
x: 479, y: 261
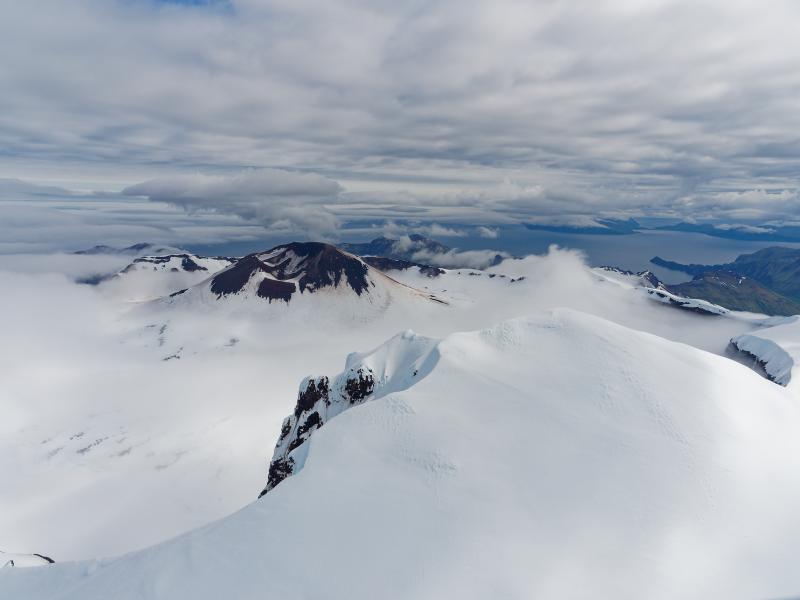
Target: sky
x: 239, y: 117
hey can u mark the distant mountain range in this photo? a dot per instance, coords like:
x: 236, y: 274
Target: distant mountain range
x: 403, y: 249
x: 597, y: 226
x: 766, y: 281
x: 750, y: 233
x: 140, y: 249
x: 736, y: 231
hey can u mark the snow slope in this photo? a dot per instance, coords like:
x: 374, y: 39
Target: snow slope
x: 151, y: 277
x: 181, y: 403
x: 553, y: 456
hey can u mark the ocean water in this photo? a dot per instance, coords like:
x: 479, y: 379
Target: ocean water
x: 632, y: 252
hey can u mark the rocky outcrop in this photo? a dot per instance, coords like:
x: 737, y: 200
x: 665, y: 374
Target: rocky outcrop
x: 392, y: 367
x: 317, y: 402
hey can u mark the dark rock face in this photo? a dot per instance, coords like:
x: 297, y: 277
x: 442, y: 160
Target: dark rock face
x: 359, y: 388
x: 233, y: 279
x: 315, y: 391
x: 317, y: 401
x: 276, y: 290
x: 319, y: 265
x: 312, y: 422
x: 278, y: 471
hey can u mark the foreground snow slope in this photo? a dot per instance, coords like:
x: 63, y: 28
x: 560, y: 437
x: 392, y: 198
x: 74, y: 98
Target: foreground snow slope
x: 181, y: 404
x: 556, y: 456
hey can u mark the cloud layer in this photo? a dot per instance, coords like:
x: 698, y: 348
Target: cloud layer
x: 469, y: 111
x: 279, y: 199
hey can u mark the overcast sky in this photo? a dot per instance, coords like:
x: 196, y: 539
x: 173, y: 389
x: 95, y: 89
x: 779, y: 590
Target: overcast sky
x: 302, y: 116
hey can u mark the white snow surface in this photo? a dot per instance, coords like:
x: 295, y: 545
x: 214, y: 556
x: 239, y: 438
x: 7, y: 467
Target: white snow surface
x: 553, y: 456
x: 126, y: 425
x: 149, y: 278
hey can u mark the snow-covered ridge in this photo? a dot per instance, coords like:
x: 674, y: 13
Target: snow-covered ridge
x: 776, y: 347
x: 10, y: 559
x: 692, y: 304
x: 392, y: 367
x: 656, y: 290
x: 150, y: 277
x: 185, y: 262
x: 646, y: 279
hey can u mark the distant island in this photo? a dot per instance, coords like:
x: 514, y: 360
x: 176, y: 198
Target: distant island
x: 735, y: 231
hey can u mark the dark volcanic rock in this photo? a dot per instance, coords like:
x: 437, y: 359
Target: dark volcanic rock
x: 319, y: 265
x: 276, y: 290
x: 233, y: 279
x: 287, y: 269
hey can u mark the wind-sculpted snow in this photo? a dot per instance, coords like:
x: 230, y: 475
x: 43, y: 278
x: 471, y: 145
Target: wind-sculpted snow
x: 10, y: 559
x: 553, y: 456
x: 776, y: 347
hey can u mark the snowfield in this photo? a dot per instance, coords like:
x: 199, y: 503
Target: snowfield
x: 554, y: 456
x: 595, y: 432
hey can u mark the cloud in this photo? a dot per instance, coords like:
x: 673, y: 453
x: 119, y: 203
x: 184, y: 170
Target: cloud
x: 587, y: 106
x: 490, y: 233
x: 454, y: 259
x: 278, y: 199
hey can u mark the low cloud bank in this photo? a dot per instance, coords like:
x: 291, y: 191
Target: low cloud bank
x: 275, y: 198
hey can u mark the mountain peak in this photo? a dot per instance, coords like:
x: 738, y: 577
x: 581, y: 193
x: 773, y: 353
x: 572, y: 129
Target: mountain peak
x: 404, y: 248
x: 285, y: 269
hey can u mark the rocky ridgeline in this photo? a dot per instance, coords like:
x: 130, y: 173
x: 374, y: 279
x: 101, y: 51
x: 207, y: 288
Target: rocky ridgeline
x: 392, y: 367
